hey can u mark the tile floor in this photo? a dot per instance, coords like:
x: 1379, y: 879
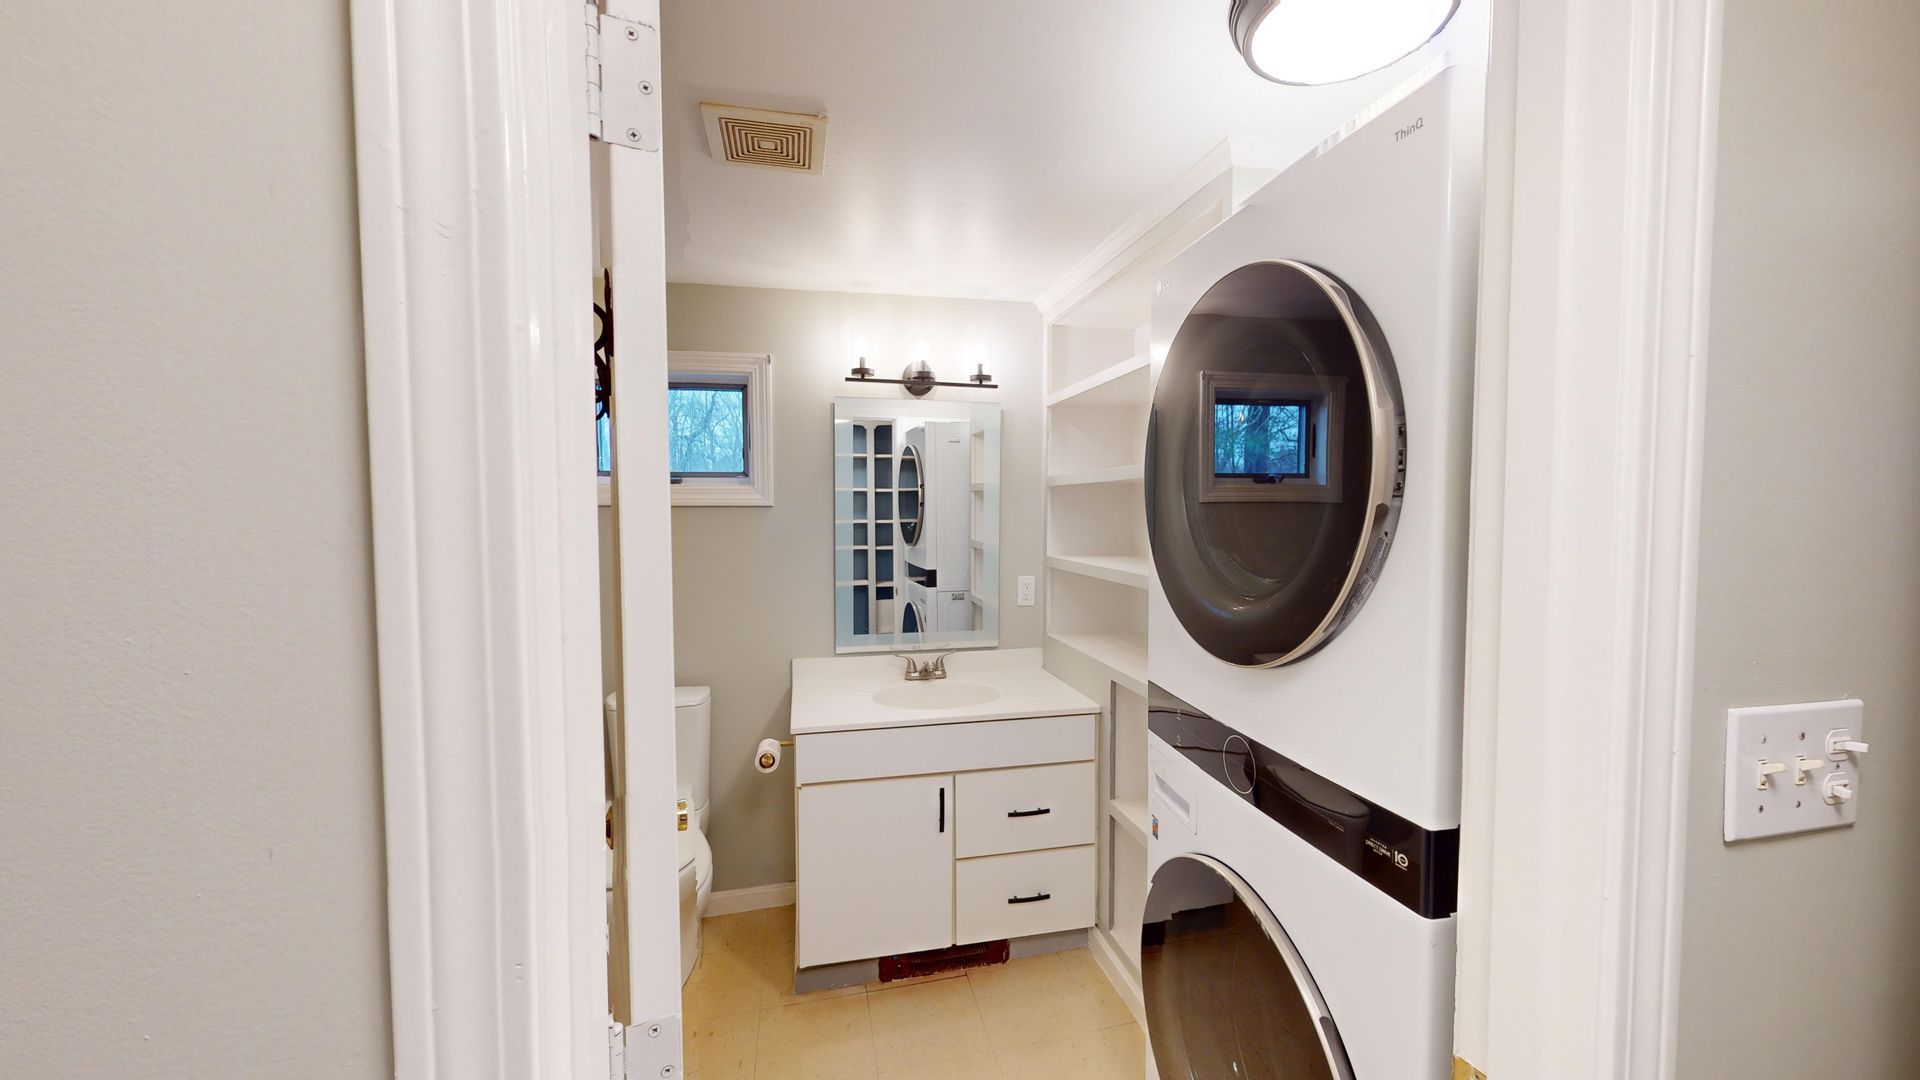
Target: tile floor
x: 1051, y: 1017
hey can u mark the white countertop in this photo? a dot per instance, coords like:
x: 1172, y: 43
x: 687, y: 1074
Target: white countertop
x: 837, y: 693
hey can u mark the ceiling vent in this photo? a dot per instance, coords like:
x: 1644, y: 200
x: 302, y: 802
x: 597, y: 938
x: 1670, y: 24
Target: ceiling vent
x: 793, y: 142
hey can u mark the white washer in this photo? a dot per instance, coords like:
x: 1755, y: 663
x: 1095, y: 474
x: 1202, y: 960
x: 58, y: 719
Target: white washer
x: 1278, y: 941
x: 1307, y: 480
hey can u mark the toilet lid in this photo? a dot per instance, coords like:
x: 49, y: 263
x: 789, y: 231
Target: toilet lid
x: 697, y: 853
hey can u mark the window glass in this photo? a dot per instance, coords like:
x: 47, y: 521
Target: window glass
x: 1260, y: 438
x: 603, y: 442
x: 707, y: 430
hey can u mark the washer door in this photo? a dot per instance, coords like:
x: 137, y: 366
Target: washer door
x: 1227, y: 994
x: 1276, y: 458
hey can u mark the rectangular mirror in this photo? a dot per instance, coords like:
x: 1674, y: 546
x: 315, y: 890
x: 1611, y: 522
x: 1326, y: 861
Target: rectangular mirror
x: 916, y: 524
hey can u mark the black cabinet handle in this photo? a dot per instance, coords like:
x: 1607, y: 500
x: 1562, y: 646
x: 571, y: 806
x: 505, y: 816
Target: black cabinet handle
x: 1030, y: 813
x: 943, y: 808
x: 1034, y: 899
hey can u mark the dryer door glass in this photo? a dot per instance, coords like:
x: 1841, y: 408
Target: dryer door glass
x: 1227, y: 994
x: 1276, y: 456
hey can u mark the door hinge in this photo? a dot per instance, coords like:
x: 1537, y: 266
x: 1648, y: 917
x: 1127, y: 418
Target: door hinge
x: 623, y: 81
x: 646, y: 1050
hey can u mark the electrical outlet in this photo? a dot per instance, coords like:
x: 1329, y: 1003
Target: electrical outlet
x: 1793, y: 768
x: 1026, y: 591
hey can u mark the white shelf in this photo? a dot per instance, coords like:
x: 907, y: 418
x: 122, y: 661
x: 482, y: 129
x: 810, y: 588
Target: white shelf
x: 1117, y: 474
x: 1125, y: 658
x: 1108, y: 386
x: 1131, y: 815
x: 1128, y: 570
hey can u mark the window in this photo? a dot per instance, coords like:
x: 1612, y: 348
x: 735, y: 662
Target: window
x: 706, y: 430
x: 1261, y: 439
x: 720, y: 429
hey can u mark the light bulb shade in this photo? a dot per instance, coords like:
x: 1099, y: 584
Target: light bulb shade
x: 1314, y: 42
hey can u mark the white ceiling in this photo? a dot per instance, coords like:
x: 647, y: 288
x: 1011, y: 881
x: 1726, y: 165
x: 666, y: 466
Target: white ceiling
x: 974, y: 147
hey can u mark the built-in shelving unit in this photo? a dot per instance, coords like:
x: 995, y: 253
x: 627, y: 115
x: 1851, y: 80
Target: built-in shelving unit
x: 1100, y: 369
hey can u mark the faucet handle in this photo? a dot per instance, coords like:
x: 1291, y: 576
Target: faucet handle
x: 938, y: 665
x: 913, y: 666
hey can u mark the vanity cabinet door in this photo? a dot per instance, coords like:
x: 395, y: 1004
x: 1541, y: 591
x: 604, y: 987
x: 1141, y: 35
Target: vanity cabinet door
x: 875, y: 868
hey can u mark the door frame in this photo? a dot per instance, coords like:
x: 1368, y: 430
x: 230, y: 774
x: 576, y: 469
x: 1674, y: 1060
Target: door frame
x: 1584, y: 550
x: 475, y: 260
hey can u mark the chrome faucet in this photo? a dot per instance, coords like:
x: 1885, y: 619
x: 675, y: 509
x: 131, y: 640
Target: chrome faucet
x: 921, y: 671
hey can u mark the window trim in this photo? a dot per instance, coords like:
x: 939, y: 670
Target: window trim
x: 754, y: 371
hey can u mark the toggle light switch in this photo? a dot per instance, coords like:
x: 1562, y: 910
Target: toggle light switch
x: 1804, y: 765
x: 1768, y: 769
x: 1837, y: 788
x: 1840, y: 743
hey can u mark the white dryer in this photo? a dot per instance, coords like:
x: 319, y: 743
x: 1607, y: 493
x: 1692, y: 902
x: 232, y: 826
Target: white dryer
x: 1290, y: 929
x: 1307, y: 456
x: 1306, y: 487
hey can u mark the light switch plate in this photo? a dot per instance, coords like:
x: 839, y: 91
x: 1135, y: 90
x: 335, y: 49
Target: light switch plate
x: 1784, y: 734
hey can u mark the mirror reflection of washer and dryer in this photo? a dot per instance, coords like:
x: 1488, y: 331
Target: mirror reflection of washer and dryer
x: 1307, y: 468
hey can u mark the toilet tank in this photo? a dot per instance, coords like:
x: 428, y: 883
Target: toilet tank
x: 693, y: 743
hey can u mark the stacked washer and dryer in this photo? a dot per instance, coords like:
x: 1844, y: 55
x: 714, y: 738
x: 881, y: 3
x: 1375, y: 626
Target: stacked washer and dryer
x: 1307, y: 474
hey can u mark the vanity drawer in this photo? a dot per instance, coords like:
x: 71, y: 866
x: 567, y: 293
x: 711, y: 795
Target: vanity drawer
x: 824, y: 757
x: 1034, y: 892
x: 1045, y: 806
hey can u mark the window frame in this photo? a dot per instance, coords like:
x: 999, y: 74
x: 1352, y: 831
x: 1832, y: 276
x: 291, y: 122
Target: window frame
x: 753, y: 373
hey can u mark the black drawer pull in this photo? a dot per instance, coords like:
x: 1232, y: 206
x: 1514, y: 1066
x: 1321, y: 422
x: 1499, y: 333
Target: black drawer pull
x: 1030, y: 813
x: 1034, y: 899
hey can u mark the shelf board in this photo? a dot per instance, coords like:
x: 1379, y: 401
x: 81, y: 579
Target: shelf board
x: 1125, y: 658
x: 1128, y: 570
x: 1117, y: 474
x: 1131, y: 815
x: 1108, y: 386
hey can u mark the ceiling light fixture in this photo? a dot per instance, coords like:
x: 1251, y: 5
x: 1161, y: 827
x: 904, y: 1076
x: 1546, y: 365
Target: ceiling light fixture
x: 1313, y: 42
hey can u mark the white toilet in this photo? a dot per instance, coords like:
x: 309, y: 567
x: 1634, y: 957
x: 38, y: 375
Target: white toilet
x: 693, y: 735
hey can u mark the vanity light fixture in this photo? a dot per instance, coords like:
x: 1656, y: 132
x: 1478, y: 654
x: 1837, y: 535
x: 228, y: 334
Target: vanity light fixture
x: 1314, y: 42
x: 919, y: 379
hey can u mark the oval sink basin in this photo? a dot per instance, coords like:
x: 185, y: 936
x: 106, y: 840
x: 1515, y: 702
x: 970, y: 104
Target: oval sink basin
x: 938, y: 694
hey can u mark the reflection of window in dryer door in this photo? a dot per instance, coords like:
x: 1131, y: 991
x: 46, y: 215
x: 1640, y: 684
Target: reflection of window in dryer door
x: 1270, y: 437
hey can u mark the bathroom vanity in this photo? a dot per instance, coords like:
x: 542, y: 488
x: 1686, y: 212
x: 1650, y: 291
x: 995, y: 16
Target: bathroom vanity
x: 937, y: 813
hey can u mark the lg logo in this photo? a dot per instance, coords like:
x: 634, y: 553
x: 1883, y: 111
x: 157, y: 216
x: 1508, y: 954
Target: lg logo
x: 1418, y: 123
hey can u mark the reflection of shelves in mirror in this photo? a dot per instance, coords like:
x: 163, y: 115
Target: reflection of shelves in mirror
x: 863, y: 457
x: 850, y: 584
x: 1125, y: 383
x: 1118, y: 474
x: 1125, y: 658
x: 1128, y: 570
x: 1131, y: 815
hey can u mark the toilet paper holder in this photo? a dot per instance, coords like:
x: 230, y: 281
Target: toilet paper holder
x: 768, y: 759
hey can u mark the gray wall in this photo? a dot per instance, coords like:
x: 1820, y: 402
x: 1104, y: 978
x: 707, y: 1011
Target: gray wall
x: 752, y: 587
x: 1810, y: 542
x: 191, y: 879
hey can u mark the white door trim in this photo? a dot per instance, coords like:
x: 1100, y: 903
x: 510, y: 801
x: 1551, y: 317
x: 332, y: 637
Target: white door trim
x: 1601, y: 126
x: 474, y: 231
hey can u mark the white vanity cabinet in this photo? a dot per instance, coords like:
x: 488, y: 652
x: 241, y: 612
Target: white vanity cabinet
x: 877, y: 856
x: 924, y: 836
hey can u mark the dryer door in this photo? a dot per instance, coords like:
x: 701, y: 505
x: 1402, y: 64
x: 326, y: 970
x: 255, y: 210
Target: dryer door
x: 1227, y: 994
x: 1276, y: 457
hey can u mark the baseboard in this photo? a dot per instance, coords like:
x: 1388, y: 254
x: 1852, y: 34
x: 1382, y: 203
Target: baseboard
x: 1113, y: 964
x: 735, y: 901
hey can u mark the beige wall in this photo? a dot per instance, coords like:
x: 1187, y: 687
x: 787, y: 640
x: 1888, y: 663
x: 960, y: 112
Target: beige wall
x: 1798, y: 953
x: 191, y: 878
x: 752, y: 587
